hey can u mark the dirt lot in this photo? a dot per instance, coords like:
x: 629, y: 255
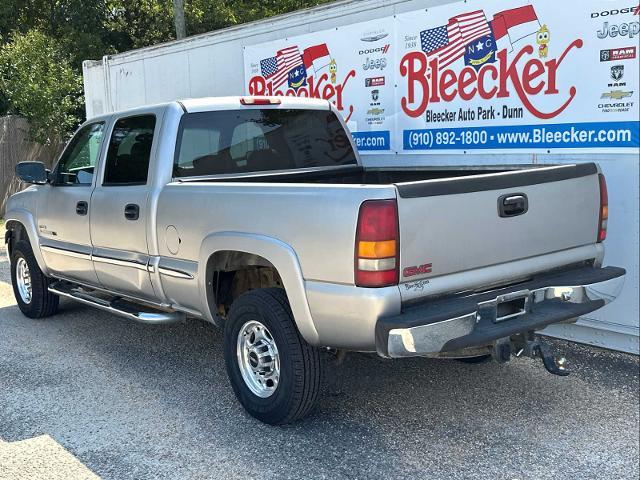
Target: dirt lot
x: 134, y: 401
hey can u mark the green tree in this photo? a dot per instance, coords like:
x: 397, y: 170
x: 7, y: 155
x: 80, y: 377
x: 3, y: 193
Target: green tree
x: 77, y: 25
x: 129, y: 25
x: 43, y: 44
x: 207, y: 15
x: 38, y: 82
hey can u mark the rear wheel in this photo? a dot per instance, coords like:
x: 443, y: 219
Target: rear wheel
x: 274, y: 373
x: 30, y: 285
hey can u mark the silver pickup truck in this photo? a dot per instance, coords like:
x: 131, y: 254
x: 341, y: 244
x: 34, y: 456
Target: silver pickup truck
x: 256, y: 214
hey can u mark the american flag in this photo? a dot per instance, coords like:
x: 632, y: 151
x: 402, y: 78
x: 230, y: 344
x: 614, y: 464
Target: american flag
x: 448, y: 41
x: 277, y: 68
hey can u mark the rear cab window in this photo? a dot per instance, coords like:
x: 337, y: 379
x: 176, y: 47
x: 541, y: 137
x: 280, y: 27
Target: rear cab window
x: 256, y: 140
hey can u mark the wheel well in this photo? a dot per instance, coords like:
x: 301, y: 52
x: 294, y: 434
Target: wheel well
x: 15, y: 232
x: 232, y: 273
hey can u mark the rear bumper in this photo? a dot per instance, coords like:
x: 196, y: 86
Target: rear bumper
x: 458, y: 322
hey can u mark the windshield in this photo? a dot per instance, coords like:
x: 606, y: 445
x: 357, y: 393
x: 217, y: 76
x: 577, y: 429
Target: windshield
x: 241, y: 141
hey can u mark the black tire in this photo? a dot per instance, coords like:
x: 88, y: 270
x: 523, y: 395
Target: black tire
x: 43, y: 303
x: 475, y: 360
x: 301, y: 369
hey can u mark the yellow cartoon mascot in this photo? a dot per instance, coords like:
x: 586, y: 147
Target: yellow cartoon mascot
x: 542, y: 39
x: 333, y: 70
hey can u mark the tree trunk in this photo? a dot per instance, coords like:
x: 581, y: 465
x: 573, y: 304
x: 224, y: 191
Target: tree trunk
x: 178, y: 15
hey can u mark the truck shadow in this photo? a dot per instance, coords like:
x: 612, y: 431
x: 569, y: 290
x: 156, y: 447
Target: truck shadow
x: 140, y: 389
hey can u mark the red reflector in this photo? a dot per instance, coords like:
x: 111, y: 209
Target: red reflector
x: 259, y: 101
x: 604, y: 209
x: 602, y: 235
x: 376, y: 279
x: 377, y: 222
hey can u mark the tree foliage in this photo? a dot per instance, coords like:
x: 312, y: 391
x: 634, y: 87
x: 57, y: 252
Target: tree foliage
x: 70, y: 31
x: 38, y: 82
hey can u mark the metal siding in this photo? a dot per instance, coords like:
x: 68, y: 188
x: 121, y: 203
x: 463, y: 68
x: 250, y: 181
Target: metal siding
x: 128, y: 86
x: 166, y: 78
x: 93, y: 79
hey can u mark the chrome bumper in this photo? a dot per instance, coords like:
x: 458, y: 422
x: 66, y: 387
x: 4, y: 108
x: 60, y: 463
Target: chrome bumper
x: 478, y: 319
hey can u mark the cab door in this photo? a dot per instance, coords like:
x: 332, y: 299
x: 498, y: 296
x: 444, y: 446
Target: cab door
x: 63, y: 209
x: 120, y: 208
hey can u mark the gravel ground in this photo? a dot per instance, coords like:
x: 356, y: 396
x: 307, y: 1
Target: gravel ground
x: 135, y: 401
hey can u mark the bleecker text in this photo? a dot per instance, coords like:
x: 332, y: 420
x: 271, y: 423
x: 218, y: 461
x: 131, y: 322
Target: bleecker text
x: 319, y: 87
x: 522, y: 75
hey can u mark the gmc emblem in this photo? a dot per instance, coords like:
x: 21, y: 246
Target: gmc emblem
x: 418, y: 270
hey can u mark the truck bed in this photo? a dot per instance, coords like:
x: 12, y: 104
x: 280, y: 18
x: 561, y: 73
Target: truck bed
x: 451, y: 230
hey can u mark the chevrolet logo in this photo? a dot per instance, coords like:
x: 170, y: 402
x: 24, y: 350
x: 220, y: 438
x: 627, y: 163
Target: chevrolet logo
x: 616, y: 94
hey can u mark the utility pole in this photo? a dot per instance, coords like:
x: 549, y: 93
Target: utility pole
x: 178, y: 15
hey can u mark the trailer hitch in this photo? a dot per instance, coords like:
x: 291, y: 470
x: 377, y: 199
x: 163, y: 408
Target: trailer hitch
x: 554, y: 365
x: 532, y: 346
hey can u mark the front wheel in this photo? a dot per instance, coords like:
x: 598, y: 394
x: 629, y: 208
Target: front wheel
x: 30, y: 285
x: 274, y: 373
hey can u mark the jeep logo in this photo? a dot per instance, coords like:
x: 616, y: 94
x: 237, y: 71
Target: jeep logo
x: 630, y: 30
x: 371, y: 64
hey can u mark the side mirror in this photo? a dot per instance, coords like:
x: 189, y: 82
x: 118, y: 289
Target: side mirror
x: 32, y: 172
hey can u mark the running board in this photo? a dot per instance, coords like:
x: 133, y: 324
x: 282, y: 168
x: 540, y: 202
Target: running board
x: 115, y: 304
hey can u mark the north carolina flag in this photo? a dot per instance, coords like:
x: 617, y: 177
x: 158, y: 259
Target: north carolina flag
x: 447, y: 42
x: 510, y: 26
x: 316, y: 56
x: 277, y: 68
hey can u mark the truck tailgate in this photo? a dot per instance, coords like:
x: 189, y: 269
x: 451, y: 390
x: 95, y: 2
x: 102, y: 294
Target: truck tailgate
x: 460, y: 224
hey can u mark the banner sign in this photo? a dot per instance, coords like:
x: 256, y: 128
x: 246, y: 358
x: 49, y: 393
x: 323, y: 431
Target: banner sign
x: 349, y: 66
x: 475, y: 76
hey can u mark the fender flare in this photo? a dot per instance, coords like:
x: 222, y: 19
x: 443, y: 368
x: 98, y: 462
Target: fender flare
x: 281, y: 256
x: 25, y: 218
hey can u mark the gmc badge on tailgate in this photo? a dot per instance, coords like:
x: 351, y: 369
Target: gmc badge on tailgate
x: 417, y: 270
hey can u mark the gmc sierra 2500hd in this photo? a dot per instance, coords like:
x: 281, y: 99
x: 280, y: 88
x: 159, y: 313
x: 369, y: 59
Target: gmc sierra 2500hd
x: 256, y: 214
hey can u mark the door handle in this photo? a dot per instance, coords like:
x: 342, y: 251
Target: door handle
x: 82, y: 208
x: 132, y: 211
x: 513, y: 204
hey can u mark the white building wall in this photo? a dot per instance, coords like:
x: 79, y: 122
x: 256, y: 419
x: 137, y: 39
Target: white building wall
x: 212, y: 65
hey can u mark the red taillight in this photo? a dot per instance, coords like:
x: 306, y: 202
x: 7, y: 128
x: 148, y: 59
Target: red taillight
x: 377, y: 252
x: 259, y: 101
x: 604, y: 209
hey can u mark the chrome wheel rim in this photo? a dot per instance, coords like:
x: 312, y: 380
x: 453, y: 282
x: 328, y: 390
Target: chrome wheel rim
x: 23, y: 280
x: 258, y: 359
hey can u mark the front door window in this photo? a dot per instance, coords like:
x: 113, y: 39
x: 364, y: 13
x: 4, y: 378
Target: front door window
x: 78, y: 161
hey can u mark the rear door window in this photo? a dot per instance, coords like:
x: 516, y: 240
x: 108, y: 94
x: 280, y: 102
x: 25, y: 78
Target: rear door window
x: 130, y: 151
x: 253, y: 140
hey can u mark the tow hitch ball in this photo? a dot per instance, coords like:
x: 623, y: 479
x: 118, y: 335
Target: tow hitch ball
x: 532, y: 347
x: 554, y: 365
